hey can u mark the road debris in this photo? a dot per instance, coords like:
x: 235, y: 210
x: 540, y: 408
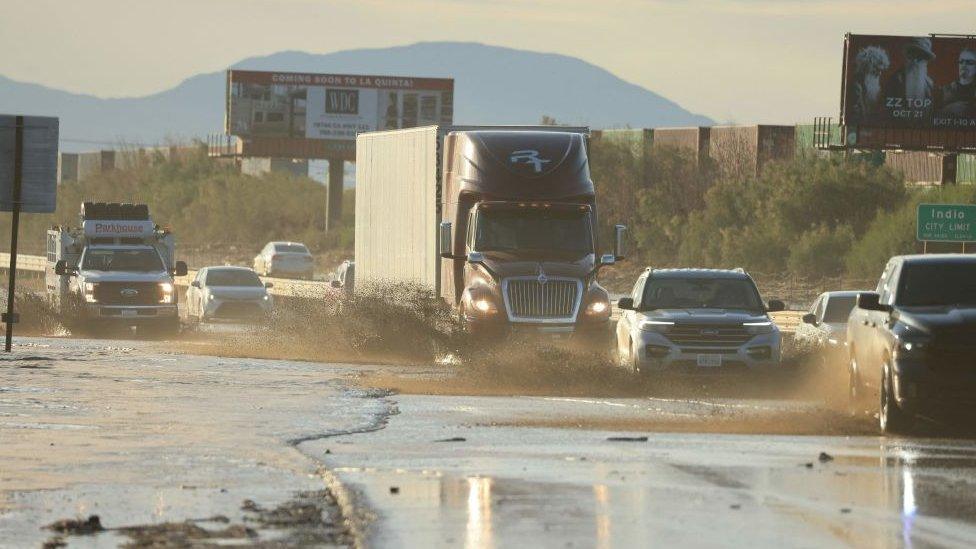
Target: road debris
x: 91, y: 525
x: 627, y: 439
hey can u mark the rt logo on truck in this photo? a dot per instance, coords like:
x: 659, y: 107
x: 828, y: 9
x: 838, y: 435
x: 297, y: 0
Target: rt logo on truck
x: 528, y: 156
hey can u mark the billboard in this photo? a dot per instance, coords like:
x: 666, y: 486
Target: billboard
x: 294, y: 107
x: 921, y: 82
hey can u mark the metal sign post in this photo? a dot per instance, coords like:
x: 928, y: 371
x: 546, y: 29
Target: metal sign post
x: 8, y: 318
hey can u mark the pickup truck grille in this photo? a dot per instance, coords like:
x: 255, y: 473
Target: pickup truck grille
x: 527, y: 299
x: 708, y: 335
x: 127, y: 293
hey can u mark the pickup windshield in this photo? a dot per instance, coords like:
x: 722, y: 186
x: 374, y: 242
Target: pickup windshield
x: 937, y: 284
x: 534, y: 229
x: 701, y: 293
x: 838, y: 309
x: 232, y: 277
x: 290, y: 248
x: 134, y: 260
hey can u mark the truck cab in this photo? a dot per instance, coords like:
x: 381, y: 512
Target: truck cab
x: 911, y: 341
x: 518, y: 234
x: 117, y: 268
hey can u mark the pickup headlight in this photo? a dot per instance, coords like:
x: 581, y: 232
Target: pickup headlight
x: 911, y: 346
x: 661, y: 326
x: 756, y: 328
x: 90, y: 292
x: 166, y: 292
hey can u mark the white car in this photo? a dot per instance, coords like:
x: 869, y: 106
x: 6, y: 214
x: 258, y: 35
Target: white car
x: 285, y: 259
x: 230, y: 293
x: 824, y: 327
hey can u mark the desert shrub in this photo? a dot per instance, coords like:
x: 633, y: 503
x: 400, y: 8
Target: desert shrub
x: 820, y: 252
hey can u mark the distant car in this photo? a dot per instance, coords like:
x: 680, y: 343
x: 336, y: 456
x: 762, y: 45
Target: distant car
x: 285, y: 259
x: 912, y: 342
x: 695, y: 320
x: 228, y: 293
x: 824, y: 327
x: 345, y: 276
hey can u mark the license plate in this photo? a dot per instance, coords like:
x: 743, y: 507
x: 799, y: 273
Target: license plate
x: 129, y: 312
x: 710, y: 361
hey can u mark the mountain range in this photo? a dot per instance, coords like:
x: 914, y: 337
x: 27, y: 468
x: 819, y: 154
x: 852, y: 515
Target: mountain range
x: 493, y: 85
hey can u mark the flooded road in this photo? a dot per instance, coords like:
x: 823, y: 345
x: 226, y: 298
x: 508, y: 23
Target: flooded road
x: 503, y: 484
x: 156, y: 442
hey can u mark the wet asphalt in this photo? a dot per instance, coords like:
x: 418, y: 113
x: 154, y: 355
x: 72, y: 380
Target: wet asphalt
x: 139, y: 435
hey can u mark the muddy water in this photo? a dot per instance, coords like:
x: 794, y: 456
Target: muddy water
x: 508, y: 484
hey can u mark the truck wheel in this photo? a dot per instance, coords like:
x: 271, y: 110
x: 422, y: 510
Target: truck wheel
x: 855, y: 390
x: 891, y: 418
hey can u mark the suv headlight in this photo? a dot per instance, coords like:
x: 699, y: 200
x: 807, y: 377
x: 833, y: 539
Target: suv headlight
x: 166, y: 292
x: 90, y: 292
x: 661, y: 326
x: 756, y: 328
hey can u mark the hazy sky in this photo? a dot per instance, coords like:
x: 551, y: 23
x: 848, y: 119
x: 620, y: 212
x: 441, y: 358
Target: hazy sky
x: 745, y: 61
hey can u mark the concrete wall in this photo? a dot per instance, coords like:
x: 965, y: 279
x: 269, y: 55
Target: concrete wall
x: 259, y: 166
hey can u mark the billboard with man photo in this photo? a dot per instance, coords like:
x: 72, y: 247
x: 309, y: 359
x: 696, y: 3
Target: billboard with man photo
x: 910, y: 82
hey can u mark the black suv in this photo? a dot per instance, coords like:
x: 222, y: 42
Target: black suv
x: 913, y: 340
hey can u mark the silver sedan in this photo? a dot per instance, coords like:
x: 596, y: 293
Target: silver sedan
x: 230, y: 293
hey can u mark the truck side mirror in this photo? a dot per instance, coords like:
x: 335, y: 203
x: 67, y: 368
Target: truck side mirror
x: 61, y: 267
x: 607, y: 259
x: 871, y: 301
x: 180, y: 269
x: 625, y: 303
x: 775, y: 306
x: 195, y: 284
x: 445, y: 244
x: 269, y: 285
x: 809, y: 318
x: 335, y: 284
x: 476, y: 257
x: 618, y: 241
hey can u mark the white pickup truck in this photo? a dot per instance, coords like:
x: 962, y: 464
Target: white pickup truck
x: 117, y: 268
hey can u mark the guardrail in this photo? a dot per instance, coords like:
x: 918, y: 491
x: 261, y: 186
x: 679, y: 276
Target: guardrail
x: 283, y: 287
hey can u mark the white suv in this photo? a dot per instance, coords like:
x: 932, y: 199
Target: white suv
x: 692, y: 320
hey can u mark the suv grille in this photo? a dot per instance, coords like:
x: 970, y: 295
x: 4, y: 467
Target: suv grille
x: 527, y: 298
x: 708, y: 335
x: 120, y: 293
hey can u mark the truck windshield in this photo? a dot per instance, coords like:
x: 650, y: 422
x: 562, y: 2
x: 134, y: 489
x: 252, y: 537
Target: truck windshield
x: 232, y: 277
x: 138, y: 260
x: 534, y: 229
x: 701, y: 293
x: 937, y: 284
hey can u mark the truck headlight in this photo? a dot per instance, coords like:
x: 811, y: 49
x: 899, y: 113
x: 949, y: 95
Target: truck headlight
x: 661, y: 326
x: 755, y: 328
x: 598, y: 307
x: 166, y: 292
x: 911, y: 346
x: 90, y: 292
x: 483, y: 305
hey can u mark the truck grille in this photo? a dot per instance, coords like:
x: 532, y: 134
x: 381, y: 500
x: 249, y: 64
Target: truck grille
x: 708, y: 335
x: 528, y: 299
x: 127, y: 293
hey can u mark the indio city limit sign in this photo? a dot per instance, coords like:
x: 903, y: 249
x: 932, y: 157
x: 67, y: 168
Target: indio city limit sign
x: 946, y: 223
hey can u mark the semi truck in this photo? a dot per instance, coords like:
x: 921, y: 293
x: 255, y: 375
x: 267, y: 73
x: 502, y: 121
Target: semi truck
x: 499, y: 220
x: 117, y: 268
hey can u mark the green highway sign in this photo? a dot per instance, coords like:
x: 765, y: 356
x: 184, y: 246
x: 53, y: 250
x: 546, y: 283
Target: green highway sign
x: 946, y: 223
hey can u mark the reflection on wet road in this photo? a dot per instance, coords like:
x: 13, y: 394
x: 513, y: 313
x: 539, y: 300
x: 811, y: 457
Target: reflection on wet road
x: 516, y: 486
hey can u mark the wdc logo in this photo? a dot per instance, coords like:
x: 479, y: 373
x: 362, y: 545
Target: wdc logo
x: 528, y: 156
